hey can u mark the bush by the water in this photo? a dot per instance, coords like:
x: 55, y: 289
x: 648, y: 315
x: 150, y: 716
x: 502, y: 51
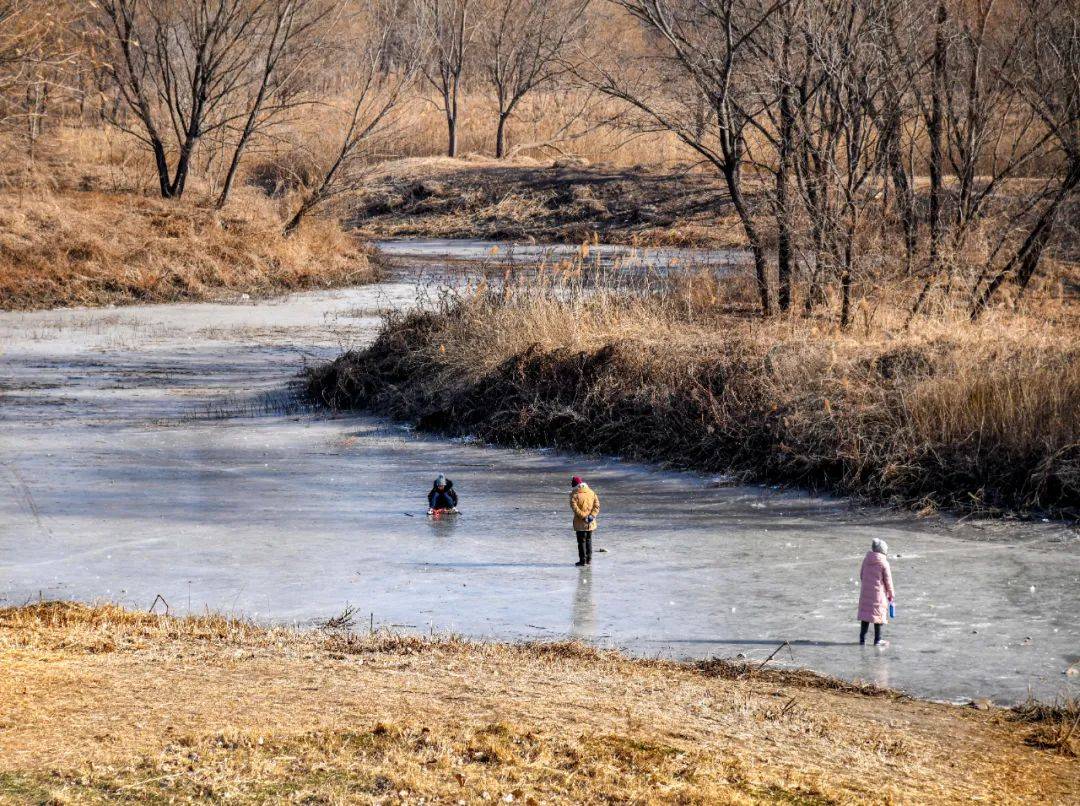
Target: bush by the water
x: 975, y: 417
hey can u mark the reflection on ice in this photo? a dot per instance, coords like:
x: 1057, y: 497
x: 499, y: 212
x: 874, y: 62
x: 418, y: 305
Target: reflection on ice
x: 583, y: 613
x: 874, y: 665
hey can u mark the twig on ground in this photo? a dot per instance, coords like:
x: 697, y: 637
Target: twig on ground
x: 771, y: 656
x: 159, y: 598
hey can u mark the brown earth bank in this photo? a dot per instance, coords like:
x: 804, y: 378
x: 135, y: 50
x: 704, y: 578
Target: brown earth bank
x: 101, y: 704
x: 549, y: 201
x: 949, y: 414
x: 68, y: 247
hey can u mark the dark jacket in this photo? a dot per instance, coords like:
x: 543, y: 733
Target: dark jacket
x: 446, y: 499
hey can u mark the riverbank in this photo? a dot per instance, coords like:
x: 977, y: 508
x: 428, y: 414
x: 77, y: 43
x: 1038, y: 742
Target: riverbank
x: 225, y: 709
x: 62, y: 248
x: 976, y: 418
x: 548, y: 201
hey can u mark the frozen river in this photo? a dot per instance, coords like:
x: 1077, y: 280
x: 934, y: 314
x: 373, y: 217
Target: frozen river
x: 151, y: 450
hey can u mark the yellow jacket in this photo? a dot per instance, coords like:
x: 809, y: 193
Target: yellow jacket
x: 584, y: 502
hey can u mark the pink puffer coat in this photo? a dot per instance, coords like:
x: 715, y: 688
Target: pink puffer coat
x: 877, y: 590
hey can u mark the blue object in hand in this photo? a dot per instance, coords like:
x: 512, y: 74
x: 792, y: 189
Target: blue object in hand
x: 892, y: 610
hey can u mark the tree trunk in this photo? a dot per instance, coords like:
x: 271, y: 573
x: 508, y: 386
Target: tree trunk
x: 238, y: 154
x: 452, y: 140
x: 162, y: 165
x: 183, y: 166
x: 937, y: 157
x: 905, y: 196
x: 783, y: 205
x: 845, y: 287
x: 230, y: 176
x: 1029, y: 254
x: 845, y: 299
x: 294, y: 222
x: 815, y: 294
x: 761, y: 266
x: 450, y: 99
x: 783, y: 241
x: 500, y: 137
x: 731, y: 146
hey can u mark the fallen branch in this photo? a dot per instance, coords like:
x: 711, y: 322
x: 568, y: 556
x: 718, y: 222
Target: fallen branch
x: 159, y: 598
x: 771, y: 656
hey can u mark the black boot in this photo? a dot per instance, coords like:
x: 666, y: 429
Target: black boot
x: 580, y: 549
x: 588, y: 548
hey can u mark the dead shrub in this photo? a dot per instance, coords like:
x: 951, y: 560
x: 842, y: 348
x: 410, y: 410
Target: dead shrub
x: 972, y: 417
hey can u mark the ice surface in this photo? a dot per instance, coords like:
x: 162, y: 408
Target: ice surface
x: 636, y: 256
x: 442, y: 258
x: 145, y: 451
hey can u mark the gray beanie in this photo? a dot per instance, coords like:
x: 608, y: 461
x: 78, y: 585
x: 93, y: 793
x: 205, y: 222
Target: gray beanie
x: 879, y: 545
x: 440, y: 480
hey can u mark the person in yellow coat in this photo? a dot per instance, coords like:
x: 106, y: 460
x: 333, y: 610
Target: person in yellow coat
x: 586, y: 506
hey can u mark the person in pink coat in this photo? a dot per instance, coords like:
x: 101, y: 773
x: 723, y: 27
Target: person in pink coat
x: 876, y: 591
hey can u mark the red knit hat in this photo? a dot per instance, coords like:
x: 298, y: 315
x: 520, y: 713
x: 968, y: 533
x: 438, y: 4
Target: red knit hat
x: 576, y: 480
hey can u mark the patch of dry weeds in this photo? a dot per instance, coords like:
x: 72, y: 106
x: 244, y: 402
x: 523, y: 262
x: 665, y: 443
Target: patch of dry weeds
x: 70, y: 247
x: 106, y: 705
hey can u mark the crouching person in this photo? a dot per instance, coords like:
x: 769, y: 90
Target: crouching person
x: 442, y: 495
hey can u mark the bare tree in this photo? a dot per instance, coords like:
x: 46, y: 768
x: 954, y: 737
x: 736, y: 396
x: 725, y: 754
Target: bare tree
x: 36, y: 48
x: 1048, y: 79
x: 934, y: 130
x: 702, y: 48
x: 178, y: 67
x: 371, y: 112
x: 284, y: 33
x: 840, y: 152
x: 992, y: 133
x: 450, y: 27
x: 523, y: 45
x: 897, y: 118
x: 962, y: 62
x: 780, y: 64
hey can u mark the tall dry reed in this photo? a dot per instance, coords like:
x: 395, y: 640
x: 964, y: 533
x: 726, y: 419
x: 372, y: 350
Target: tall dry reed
x: 975, y: 417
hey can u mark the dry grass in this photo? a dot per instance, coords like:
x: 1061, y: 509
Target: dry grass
x: 81, y: 225
x: 569, y: 125
x: 1057, y: 726
x: 105, y: 705
x: 947, y: 414
x: 543, y: 200
x: 91, y: 248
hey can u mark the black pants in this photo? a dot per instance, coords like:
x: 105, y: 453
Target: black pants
x: 864, y: 628
x: 441, y: 501
x: 584, y: 547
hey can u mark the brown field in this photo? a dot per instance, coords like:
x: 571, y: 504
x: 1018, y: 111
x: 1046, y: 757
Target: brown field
x: 102, y: 249
x: 101, y: 704
x: 80, y: 223
x: 80, y: 226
